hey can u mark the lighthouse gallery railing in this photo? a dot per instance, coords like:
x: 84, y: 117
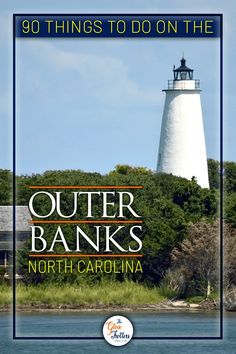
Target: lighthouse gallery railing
x: 183, y: 84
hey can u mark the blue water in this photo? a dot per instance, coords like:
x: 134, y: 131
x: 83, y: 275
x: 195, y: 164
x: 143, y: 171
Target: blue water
x: 145, y: 324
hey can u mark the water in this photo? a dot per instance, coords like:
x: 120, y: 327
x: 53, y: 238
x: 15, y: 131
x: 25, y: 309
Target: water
x: 146, y: 324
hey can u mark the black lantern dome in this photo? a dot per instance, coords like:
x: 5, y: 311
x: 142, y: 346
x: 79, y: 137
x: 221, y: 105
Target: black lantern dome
x: 183, y: 72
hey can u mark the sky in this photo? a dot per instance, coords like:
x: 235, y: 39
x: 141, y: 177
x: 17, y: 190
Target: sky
x: 92, y: 104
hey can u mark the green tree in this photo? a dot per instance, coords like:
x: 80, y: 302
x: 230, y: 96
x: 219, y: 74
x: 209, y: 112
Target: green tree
x: 230, y: 177
x: 213, y: 173
x: 167, y: 204
x: 230, y: 208
x: 5, y: 187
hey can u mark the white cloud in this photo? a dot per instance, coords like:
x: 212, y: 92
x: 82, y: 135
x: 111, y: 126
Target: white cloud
x: 107, y: 77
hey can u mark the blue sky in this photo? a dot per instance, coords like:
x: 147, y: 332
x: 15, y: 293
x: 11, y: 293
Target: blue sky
x: 91, y: 104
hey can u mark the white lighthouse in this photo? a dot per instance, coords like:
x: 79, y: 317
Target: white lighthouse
x: 182, y: 149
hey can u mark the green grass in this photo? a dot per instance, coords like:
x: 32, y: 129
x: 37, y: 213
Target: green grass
x: 113, y: 293
x: 196, y: 299
x: 5, y: 295
x: 199, y: 298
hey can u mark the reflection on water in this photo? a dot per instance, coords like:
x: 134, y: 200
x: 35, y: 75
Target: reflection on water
x: 145, y: 324
x: 86, y: 324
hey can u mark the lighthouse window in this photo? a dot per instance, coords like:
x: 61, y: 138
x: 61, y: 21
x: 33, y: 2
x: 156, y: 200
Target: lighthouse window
x: 183, y: 75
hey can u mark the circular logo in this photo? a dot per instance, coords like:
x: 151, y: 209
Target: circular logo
x: 118, y: 330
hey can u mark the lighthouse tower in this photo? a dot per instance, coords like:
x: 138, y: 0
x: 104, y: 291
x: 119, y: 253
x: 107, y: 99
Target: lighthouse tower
x: 182, y: 149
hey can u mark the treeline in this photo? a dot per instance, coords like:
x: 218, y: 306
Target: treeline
x: 180, y: 219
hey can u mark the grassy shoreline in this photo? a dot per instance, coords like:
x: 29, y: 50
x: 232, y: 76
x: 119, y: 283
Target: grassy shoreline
x: 108, y: 294
x: 104, y: 296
